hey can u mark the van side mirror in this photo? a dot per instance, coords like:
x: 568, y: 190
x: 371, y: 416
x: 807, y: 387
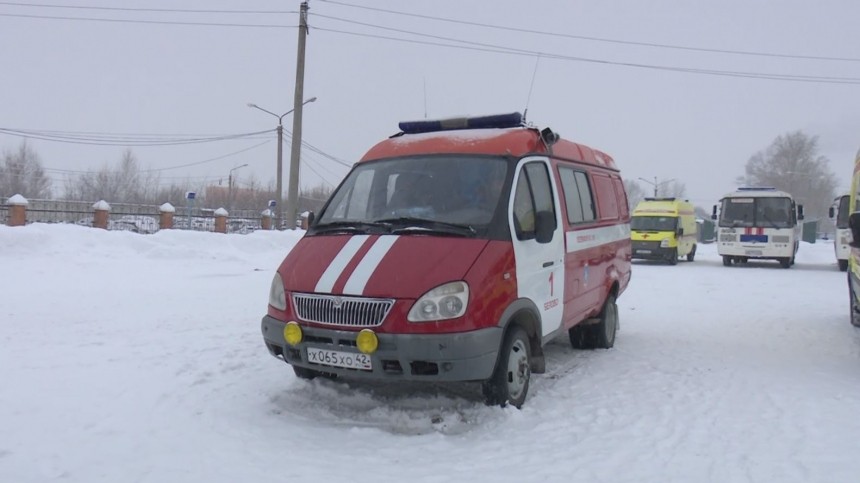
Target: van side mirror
x: 854, y: 225
x: 831, y: 212
x: 310, y: 218
x: 545, y: 226
x: 799, y: 212
x: 714, y: 213
x: 680, y: 232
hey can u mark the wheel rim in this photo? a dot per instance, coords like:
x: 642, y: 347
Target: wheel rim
x: 518, y: 369
x: 611, y: 323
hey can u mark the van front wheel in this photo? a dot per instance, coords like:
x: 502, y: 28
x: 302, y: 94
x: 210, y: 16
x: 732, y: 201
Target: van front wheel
x: 509, y: 383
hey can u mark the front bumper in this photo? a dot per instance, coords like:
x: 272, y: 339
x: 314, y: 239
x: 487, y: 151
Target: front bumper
x: 461, y: 356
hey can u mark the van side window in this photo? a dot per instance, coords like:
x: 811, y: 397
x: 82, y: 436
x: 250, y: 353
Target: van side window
x: 533, y: 194
x: 577, y: 195
x: 608, y: 202
x: 621, y: 196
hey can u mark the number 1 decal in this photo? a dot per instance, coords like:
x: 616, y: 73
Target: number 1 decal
x: 551, y: 289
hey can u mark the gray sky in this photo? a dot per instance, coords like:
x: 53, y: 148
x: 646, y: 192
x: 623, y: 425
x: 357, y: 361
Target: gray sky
x: 152, y: 78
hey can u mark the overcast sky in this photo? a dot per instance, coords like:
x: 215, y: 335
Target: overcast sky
x: 146, y: 77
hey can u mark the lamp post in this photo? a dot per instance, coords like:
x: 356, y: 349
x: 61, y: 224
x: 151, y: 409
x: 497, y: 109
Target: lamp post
x: 230, y: 186
x: 279, y: 174
x: 655, y: 184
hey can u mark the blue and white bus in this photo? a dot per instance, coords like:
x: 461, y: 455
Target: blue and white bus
x: 758, y: 223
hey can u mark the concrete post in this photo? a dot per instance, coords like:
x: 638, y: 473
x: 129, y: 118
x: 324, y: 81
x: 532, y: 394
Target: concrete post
x: 221, y: 220
x: 17, y: 210
x: 101, y: 214
x: 165, y: 219
x: 266, y: 222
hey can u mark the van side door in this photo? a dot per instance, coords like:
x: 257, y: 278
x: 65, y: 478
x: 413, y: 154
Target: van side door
x: 539, y: 263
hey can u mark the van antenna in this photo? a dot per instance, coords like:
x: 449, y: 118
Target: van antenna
x: 531, y: 87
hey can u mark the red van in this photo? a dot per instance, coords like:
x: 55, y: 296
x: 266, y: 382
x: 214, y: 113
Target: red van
x: 453, y: 251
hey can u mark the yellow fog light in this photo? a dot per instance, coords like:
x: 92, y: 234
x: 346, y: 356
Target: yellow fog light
x: 367, y: 341
x: 292, y: 333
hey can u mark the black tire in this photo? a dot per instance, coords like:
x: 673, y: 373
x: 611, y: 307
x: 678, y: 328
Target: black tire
x: 692, y: 255
x: 785, y: 262
x: 509, y: 383
x: 727, y: 261
x: 607, y: 327
x: 843, y: 265
x: 673, y: 257
x: 600, y: 335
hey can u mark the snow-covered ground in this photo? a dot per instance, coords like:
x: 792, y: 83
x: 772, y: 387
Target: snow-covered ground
x: 138, y: 358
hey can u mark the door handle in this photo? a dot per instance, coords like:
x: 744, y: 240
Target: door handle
x: 547, y: 264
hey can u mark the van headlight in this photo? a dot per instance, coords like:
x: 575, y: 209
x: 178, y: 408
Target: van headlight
x: 664, y: 243
x: 277, y: 296
x: 446, y: 301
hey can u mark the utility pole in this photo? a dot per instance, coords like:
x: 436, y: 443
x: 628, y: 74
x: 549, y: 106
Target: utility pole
x: 279, y: 207
x: 293, y: 195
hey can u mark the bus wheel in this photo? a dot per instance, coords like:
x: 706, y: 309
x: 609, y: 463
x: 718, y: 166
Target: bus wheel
x: 785, y: 262
x: 692, y: 255
x: 510, y: 381
x: 727, y: 261
x: 843, y: 265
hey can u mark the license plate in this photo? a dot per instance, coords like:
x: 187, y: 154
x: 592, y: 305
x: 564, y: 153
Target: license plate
x: 753, y: 253
x: 643, y: 251
x: 350, y: 360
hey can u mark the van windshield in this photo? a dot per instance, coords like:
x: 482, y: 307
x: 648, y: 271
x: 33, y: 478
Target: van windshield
x: 653, y: 223
x: 454, y: 190
x: 766, y: 212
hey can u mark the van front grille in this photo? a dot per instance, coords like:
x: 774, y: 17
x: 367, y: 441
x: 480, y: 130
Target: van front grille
x: 343, y: 311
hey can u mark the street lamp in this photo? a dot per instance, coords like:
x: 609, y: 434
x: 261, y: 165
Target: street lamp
x: 655, y: 184
x: 230, y: 187
x: 279, y: 173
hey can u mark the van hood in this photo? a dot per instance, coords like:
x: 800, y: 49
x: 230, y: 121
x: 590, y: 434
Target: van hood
x: 388, y: 266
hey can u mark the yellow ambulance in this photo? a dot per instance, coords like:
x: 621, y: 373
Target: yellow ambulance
x: 664, y: 229
x: 854, y: 256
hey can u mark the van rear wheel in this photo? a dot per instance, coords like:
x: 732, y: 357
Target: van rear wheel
x: 692, y: 255
x: 843, y: 265
x: 509, y: 383
x: 673, y: 257
x: 600, y: 335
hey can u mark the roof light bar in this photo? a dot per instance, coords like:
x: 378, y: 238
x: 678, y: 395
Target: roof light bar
x: 496, y: 121
x: 756, y: 188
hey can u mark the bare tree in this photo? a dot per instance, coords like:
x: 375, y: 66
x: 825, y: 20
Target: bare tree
x: 672, y: 189
x: 792, y: 164
x: 21, y: 173
x: 125, y: 183
x: 635, y: 193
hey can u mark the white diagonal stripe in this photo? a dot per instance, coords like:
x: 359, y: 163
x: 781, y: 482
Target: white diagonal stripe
x: 594, y: 237
x: 335, y: 268
x: 358, y: 280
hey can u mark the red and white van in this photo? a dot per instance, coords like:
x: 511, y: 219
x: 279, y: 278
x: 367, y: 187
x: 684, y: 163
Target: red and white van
x: 453, y: 251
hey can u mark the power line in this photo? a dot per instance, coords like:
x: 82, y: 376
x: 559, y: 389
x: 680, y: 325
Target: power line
x: 598, y: 39
x: 476, y: 46
x: 131, y: 9
x: 116, y: 140
x: 153, y: 22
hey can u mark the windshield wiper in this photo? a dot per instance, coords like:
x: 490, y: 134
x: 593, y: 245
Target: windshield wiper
x: 346, y: 227
x: 421, y: 225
